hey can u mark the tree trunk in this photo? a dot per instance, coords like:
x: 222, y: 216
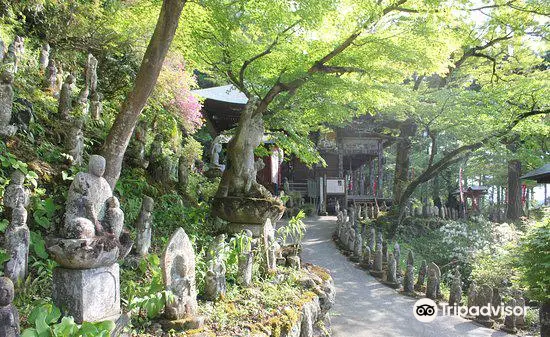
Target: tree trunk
x: 239, y: 179
x: 514, y: 190
x: 402, y: 160
x: 125, y: 122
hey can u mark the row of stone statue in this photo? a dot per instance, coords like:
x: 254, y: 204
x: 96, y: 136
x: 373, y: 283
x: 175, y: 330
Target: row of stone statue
x: 427, y: 211
x: 9, y: 61
x: 366, y: 210
x: 370, y: 250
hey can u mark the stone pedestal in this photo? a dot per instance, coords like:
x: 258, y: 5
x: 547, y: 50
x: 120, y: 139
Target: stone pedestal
x: 90, y: 295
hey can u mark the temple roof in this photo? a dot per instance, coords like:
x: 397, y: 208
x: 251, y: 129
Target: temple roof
x: 541, y: 175
x: 226, y: 93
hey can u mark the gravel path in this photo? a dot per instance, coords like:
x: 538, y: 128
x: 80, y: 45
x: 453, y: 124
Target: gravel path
x: 364, y: 307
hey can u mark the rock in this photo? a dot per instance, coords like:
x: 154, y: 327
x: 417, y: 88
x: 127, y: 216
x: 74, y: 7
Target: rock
x: 9, y: 316
x: 17, y: 240
x: 215, y: 286
x: 310, y: 312
x: 6, y: 104
x: 484, y: 298
x: 144, y: 226
x: 178, y: 272
x: 90, y: 295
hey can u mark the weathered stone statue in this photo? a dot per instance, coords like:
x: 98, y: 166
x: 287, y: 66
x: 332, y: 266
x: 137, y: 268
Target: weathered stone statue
x: 497, y: 301
x: 96, y: 107
x: 337, y: 207
x: 16, y: 194
x: 484, y: 298
x: 215, y: 276
x: 372, y: 238
x: 520, y: 302
x: 2, y: 50
x: 17, y: 240
x: 90, y: 241
x: 6, y: 104
x: 510, y: 320
x: 358, y: 246
x: 391, y: 276
x: 91, y: 74
x: 472, y: 294
x: 178, y: 272
x: 157, y: 168
x: 366, y: 258
x: 215, y: 154
x: 50, y: 77
x: 385, y: 252
x: 183, y: 173
x: 352, y: 237
x: 44, y: 56
x: 9, y: 316
x: 136, y: 149
x: 397, y: 254
x: 408, y: 280
x: 271, y: 246
x: 65, y: 103
x: 144, y: 226
x: 377, y: 269
x: 455, y: 296
x: 246, y: 259
x: 74, y: 141
x: 433, y: 289
x: 421, y: 276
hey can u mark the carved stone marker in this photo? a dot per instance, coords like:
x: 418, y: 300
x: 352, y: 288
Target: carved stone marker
x: 421, y: 276
x: 178, y: 272
x: 144, y: 226
x: 215, y: 285
x: 9, y: 316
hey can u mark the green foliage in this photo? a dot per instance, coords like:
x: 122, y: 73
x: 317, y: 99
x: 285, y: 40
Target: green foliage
x: 295, y: 229
x: 46, y: 321
x: 535, y: 260
x: 145, y: 300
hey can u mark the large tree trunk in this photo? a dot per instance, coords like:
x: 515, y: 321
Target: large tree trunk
x: 125, y: 122
x: 402, y: 160
x: 239, y: 179
x: 514, y: 190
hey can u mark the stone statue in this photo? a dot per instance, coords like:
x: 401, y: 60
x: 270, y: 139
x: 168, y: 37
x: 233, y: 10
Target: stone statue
x: 484, y: 298
x: 113, y: 222
x: 136, y: 149
x: 397, y: 254
x: 215, y: 275
x: 366, y: 259
x: 455, y: 296
x: 372, y: 238
x: 271, y: 246
x: 377, y: 269
x: 520, y: 302
x: 6, y: 104
x: 351, y: 239
x: 178, y: 271
x: 391, y: 278
x: 91, y: 74
x: 9, y: 316
x: 433, y: 289
x: 144, y: 226
x: 472, y: 294
x: 215, y: 153
x: 74, y: 141
x: 246, y: 259
x: 2, y: 50
x: 16, y: 194
x: 96, y: 107
x: 50, y: 77
x: 358, y: 247
x: 510, y: 320
x: 65, y: 103
x: 421, y: 276
x: 497, y: 300
x: 408, y: 280
x: 286, y: 185
x: 17, y: 240
x: 44, y: 56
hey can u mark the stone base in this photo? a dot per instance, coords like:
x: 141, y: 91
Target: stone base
x: 393, y: 285
x: 377, y: 274
x: 190, y: 323
x: 90, y: 295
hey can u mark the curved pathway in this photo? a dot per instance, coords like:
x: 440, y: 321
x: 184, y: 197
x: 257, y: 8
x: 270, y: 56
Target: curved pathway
x: 364, y: 307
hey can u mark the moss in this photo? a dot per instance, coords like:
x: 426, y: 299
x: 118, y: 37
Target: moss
x: 321, y: 272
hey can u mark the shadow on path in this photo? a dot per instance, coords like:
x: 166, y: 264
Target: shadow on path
x: 364, y: 307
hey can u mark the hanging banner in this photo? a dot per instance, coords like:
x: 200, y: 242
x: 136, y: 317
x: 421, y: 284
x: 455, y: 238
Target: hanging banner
x: 461, y: 187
